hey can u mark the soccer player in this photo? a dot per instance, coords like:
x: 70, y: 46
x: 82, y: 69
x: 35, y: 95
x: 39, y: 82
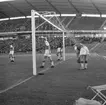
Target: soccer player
x: 11, y: 53
x: 84, y: 52
x: 47, y: 54
x: 81, y: 56
x: 59, y: 53
x: 77, y: 48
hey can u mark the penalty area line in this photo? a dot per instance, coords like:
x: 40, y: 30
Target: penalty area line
x: 27, y: 79
x: 15, y: 85
x: 104, y: 57
x: 94, y: 46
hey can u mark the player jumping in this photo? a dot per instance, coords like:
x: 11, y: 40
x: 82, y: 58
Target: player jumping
x: 47, y: 54
x: 11, y: 53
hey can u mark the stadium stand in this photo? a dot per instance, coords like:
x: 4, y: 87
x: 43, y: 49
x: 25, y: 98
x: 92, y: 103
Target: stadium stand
x: 83, y: 23
x: 24, y: 44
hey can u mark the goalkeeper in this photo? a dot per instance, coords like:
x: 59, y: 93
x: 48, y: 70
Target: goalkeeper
x: 47, y: 54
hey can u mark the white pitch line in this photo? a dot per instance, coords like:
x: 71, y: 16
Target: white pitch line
x: 15, y: 85
x: 101, y: 56
x: 94, y: 46
x: 49, y: 67
x: 23, y: 81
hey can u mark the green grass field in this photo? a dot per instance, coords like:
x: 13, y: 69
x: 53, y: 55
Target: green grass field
x: 61, y: 85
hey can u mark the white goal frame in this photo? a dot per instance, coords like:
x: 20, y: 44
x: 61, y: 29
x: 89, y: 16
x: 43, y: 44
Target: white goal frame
x: 33, y: 30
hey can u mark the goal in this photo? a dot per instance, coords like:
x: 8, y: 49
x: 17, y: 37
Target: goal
x: 57, y: 28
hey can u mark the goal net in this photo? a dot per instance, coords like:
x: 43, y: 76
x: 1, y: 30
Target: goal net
x: 50, y: 28
x: 29, y: 46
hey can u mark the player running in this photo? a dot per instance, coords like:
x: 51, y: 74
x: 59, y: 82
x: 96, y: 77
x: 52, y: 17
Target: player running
x: 11, y: 53
x: 47, y: 54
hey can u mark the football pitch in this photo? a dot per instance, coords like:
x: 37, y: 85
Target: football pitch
x: 61, y: 85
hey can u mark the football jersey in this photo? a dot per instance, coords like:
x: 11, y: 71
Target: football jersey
x: 84, y: 51
x: 47, y: 46
x: 77, y: 48
x: 59, y: 49
x: 11, y: 48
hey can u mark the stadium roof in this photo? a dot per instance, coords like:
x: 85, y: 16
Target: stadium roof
x: 16, y: 8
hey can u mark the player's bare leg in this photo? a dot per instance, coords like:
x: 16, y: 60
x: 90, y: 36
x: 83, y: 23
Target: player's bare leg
x: 81, y: 60
x: 51, y: 61
x: 86, y: 65
x: 58, y: 56
x: 86, y: 62
x: 11, y: 57
x: 43, y: 62
x: 61, y: 56
x: 82, y: 66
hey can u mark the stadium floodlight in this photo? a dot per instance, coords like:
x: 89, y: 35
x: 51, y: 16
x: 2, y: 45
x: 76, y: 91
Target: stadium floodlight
x: 104, y: 27
x: 68, y: 15
x: 21, y: 17
x: 103, y: 15
x: 91, y: 15
x: 5, y: 0
x: 52, y: 15
x: 28, y: 16
x: 4, y: 19
x: 45, y: 15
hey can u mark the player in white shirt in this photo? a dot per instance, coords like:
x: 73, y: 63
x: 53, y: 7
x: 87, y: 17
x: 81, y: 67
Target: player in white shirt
x: 11, y: 53
x: 84, y: 53
x: 59, y: 53
x: 47, y: 54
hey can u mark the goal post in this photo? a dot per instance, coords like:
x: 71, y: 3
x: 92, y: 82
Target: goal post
x: 33, y: 30
x: 63, y: 46
x: 33, y: 42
